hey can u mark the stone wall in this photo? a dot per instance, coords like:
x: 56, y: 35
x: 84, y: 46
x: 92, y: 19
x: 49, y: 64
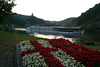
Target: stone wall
x: 17, y: 57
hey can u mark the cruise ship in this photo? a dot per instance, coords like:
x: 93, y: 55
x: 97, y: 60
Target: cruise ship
x: 55, y: 30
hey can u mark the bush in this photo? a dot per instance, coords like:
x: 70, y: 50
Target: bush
x: 6, y: 28
x: 90, y: 43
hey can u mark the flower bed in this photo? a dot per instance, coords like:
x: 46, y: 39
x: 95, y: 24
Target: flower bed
x: 57, y: 53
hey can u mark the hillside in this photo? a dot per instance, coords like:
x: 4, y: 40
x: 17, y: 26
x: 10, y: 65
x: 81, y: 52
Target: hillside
x: 66, y: 21
x: 88, y: 20
x: 63, y: 22
x: 23, y: 21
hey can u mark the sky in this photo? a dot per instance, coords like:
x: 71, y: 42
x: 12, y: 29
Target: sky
x: 53, y: 10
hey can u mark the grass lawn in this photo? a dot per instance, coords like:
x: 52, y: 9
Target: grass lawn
x: 93, y: 47
x: 8, y: 41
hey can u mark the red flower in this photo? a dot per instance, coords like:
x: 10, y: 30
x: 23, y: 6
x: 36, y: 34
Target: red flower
x: 86, y: 56
x: 23, y: 53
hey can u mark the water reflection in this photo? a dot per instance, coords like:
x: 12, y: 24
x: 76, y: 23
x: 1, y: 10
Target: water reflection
x: 47, y: 36
x: 20, y: 29
x: 52, y: 36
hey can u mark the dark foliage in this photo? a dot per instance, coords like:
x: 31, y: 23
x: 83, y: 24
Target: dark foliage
x: 5, y: 9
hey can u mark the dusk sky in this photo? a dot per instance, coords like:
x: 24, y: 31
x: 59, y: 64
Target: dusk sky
x: 54, y: 10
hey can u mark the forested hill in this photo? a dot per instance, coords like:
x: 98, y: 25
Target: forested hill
x: 88, y: 20
x: 66, y: 21
x: 23, y: 21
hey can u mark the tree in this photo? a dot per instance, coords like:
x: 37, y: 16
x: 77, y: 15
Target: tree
x: 5, y: 9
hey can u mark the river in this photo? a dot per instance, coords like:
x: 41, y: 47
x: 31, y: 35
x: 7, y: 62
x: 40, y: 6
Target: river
x: 47, y: 36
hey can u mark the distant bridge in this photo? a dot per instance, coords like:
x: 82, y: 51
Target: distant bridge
x: 55, y: 30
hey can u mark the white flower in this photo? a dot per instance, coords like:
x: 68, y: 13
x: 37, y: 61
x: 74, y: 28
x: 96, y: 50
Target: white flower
x: 35, y: 59
x: 45, y: 43
x: 65, y: 59
x: 25, y: 45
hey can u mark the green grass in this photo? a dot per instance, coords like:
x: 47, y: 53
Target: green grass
x: 8, y: 40
x: 91, y: 36
x: 93, y: 47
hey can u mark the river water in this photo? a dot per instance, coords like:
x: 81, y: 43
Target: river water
x: 52, y: 36
x: 48, y: 36
x: 20, y: 29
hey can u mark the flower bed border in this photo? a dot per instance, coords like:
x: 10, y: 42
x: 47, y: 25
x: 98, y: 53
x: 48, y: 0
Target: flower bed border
x: 17, y: 58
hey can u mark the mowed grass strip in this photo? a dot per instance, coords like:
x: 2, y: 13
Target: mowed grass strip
x: 93, y: 47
